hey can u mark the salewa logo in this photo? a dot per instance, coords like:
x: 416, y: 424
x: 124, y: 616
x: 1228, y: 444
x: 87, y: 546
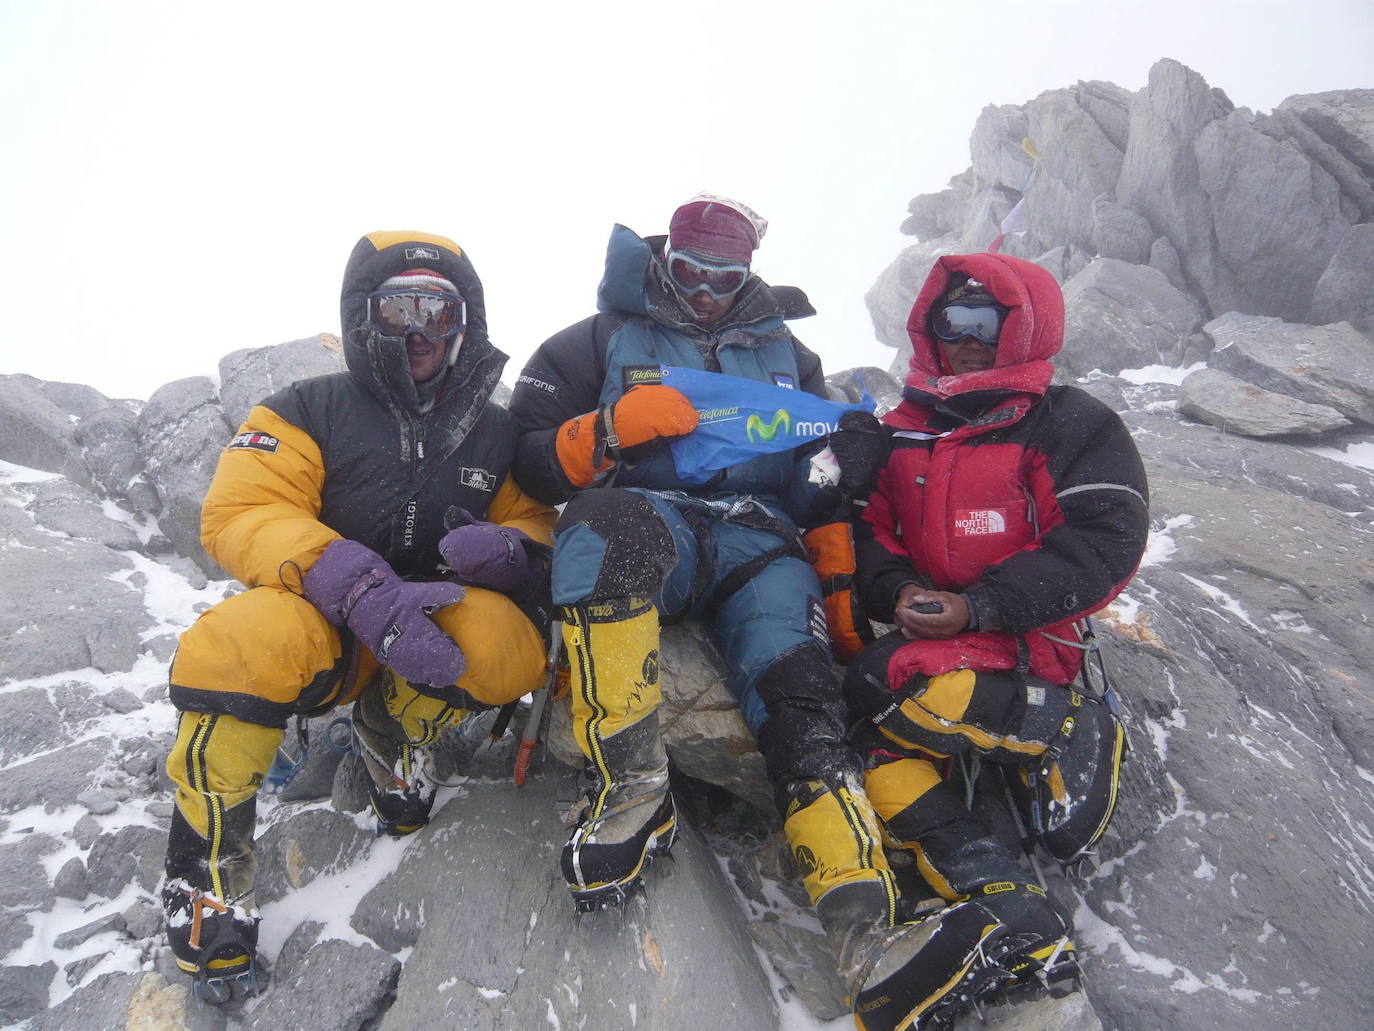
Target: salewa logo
x: 422, y: 254
x: 758, y: 430
x: 979, y: 522
x: 477, y: 479
x: 256, y: 441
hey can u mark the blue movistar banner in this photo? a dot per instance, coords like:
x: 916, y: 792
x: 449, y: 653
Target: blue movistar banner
x: 743, y: 418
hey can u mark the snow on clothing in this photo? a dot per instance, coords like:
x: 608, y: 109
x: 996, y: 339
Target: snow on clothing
x: 1029, y: 499
x: 363, y: 456
x: 724, y: 550
x: 593, y: 363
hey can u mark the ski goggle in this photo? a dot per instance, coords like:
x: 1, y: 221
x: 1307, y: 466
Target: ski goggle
x: 692, y: 274
x: 956, y: 321
x: 435, y: 316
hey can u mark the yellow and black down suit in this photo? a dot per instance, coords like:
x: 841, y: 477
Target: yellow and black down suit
x: 362, y: 456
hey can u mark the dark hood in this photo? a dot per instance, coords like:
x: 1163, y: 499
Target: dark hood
x: 379, y: 362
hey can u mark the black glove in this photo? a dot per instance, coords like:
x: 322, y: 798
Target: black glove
x: 861, y: 446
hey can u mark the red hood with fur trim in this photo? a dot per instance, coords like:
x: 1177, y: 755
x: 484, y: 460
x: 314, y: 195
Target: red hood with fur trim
x: 1032, y: 333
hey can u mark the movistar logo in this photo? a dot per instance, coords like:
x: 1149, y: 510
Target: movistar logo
x: 756, y: 429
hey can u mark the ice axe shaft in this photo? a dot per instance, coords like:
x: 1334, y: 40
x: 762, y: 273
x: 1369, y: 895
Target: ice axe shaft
x: 529, y: 738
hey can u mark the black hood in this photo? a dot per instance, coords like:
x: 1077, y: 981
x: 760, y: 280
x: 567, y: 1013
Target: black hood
x: 379, y: 362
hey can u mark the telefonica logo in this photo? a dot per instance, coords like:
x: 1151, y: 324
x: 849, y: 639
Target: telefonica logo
x: 756, y: 429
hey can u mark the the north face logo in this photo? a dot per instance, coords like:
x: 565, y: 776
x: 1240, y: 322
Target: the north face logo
x: 979, y: 522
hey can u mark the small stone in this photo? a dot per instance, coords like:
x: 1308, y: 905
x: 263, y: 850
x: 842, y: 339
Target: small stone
x: 143, y: 919
x: 121, y: 700
x: 78, y: 969
x: 70, y: 882
x: 86, y: 830
x: 79, y: 935
x: 24, y: 991
x: 101, y: 803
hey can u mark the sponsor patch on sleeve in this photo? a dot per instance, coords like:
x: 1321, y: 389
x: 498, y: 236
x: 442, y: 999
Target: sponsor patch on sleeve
x: 478, y: 479
x: 784, y: 379
x: 256, y: 442
x: 640, y: 375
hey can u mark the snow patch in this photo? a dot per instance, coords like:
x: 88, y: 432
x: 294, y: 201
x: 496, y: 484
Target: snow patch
x: 1360, y: 454
x: 1159, y: 374
x: 1160, y: 547
x: 1217, y: 595
x: 11, y: 473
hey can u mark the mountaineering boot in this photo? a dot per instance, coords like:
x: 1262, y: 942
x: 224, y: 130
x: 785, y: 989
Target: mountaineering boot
x: 628, y: 816
x: 899, y: 975
x: 1036, y: 948
x: 1067, y: 794
x: 919, y: 973
x: 401, y: 788
x: 213, y: 940
x: 212, y: 921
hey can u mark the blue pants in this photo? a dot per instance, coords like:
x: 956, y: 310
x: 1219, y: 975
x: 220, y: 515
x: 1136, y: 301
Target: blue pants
x: 680, y: 551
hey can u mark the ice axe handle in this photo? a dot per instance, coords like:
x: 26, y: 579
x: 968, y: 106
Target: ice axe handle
x: 530, y: 737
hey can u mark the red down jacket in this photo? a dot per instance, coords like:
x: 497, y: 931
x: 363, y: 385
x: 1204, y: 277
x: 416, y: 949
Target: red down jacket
x: 1029, y: 499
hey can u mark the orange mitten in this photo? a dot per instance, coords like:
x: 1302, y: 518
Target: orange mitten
x: 588, y: 444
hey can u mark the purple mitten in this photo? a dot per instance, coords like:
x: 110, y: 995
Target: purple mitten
x: 353, y: 586
x: 487, y: 555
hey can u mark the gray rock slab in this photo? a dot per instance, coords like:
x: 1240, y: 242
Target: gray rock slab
x: 805, y: 963
x: 335, y: 985
x: 132, y: 853
x: 102, y: 1005
x: 15, y: 930
x: 181, y: 433
x: 1076, y: 164
x: 98, y: 802
x: 677, y: 952
x: 1123, y: 316
x: 80, y: 935
x: 1274, y: 214
x: 1160, y: 179
x: 999, y: 159
x: 24, y: 991
x: 1071, y: 1013
x: 54, y: 779
x: 143, y: 919
x: 885, y: 389
x: 254, y: 374
x: 1345, y: 291
x: 64, y: 507
x: 32, y: 724
x: 295, y: 850
x: 62, y: 608
x: 121, y: 700
x: 1326, y: 365
x: 35, y: 432
x: 1220, y: 399
x: 23, y: 882
x: 889, y: 300
x: 108, y: 439
x: 1118, y: 232
x: 1343, y: 118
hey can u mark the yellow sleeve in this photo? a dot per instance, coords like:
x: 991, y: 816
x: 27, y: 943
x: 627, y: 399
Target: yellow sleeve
x: 260, y: 518
x: 513, y: 507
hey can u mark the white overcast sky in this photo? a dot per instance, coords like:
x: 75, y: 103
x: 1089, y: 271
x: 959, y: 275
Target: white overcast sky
x: 181, y: 180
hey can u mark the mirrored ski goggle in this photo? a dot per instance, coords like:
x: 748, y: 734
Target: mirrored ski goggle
x: 692, y: 274
x: 956, y: 321
x: 436, y: 316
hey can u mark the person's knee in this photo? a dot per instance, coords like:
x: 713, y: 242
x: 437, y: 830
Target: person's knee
x: 506, y: 656
x: 610, y: 543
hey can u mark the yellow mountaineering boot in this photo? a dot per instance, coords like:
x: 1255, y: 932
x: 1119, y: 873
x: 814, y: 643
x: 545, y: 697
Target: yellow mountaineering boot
x: 628, y: 815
